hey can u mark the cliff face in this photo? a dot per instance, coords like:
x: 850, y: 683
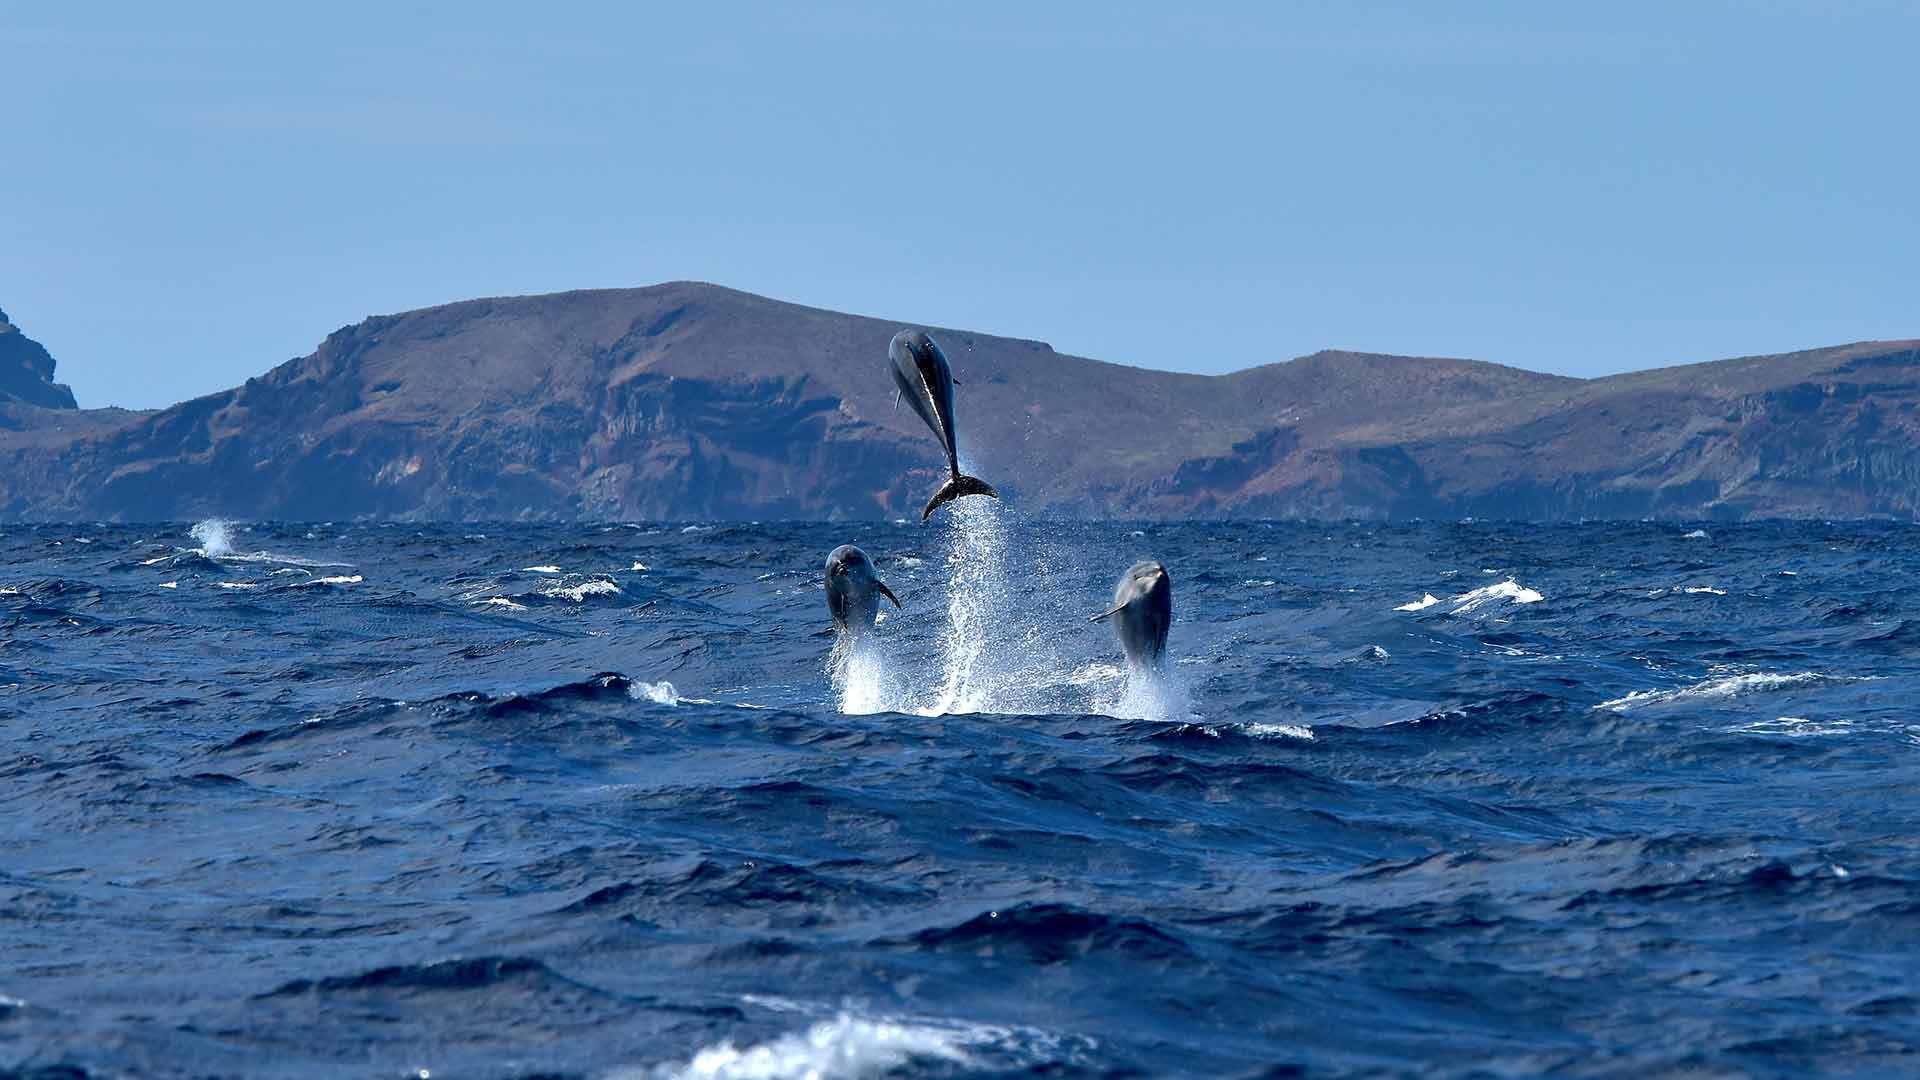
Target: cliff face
x: 693, y: 401
x: 26, y: 372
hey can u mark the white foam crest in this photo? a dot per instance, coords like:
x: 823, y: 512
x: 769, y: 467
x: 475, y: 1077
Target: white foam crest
x: 660, y: 693
x: 844, y: 1048
x: 215, y: 536
x: 501, y: 602
x: 1724, y: 686
x: 578, y: 593
x: 164, y: 585
x: 1505, y: 590
x: 1697, y: 534
x: 239, y: 584
x: 539, y: 569
x: 340, y: 579
x: 1794, y: 727
x: 1696, y: 590
x: 640, y: 567
x: 1279, y: 731
x: 1426, y: 601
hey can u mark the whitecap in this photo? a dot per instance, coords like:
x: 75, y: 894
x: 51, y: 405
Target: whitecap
x: 843, y: 1048
x: 539, y: 569
x: 344, y: 579
x: 640, y: 567
x: 239, y: 584
x: 502, y: 602
x: 1723, y: 686
x: 1697, y: 534
x: 1505, y: 590
x: 660, y: 693
x: 1707, y: 589
x: 1426, y: 601
x: 1794, y: 727
x: 164, y: 585
x: 1279, y: 731
x: 579, y: 593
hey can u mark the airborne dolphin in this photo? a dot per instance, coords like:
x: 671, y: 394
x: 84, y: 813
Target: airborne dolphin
x: 1142, y: 610
x: 920, y: 372
x: 853, y: 592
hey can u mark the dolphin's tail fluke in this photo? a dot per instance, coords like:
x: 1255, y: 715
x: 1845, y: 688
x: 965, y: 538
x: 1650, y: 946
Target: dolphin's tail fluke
x: 955, y: 488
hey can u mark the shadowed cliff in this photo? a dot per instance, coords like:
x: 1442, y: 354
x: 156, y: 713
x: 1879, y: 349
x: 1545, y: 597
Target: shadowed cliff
x: 688, y: 400
x: 26, y: 371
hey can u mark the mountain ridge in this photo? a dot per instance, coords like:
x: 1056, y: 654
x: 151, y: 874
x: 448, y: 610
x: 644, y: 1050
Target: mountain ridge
x: 693, y: 400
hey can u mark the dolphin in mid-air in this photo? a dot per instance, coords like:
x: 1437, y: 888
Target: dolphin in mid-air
x: 1142, y: 610
x: 853, y: 592
x: 920, y: 372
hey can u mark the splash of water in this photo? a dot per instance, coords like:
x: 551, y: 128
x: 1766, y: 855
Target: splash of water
x: 862, y: 679
x: 215, y: 536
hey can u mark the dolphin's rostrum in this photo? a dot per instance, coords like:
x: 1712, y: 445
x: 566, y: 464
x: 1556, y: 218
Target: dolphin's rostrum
x: 853, y: 591
x: 920, y: 372
x: 1142, y: 611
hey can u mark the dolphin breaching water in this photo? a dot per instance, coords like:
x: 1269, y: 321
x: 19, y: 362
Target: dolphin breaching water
x: 921, y: 373
x: 853, y: 591
x: 1142, y: 611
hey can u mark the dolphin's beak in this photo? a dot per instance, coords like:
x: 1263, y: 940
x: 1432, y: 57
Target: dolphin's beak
x: 888, y: 593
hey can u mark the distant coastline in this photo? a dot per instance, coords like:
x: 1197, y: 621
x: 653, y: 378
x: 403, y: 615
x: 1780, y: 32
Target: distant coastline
x: 690, y: 401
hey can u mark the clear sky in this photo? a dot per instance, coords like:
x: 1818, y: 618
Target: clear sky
x: 190, y: 194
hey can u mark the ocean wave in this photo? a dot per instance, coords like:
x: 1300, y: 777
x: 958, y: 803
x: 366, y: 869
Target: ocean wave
x: 847, y: 1047
x: 1505, y: 590
x: 1469, y: 602
x: 1724, y: 686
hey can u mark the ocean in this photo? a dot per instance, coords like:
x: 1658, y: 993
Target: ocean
x: 510, y: 800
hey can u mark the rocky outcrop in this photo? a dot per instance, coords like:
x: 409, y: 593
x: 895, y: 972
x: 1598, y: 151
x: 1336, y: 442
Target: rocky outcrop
x: 693, y: 401
x: 26, y: 372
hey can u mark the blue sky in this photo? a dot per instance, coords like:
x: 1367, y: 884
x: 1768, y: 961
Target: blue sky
x: 194, y: 193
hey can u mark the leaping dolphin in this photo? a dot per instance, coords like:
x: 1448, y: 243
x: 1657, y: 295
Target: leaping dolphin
x: 853, y: 592
x: 921, y: 373
x: 1143, y: 609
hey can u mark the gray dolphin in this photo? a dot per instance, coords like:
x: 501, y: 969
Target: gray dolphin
x: 853, y: 592
x: 921, y: 373
x: 1143, y: 606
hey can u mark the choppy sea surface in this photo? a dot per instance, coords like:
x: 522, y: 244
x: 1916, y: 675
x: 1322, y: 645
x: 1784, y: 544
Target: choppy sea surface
x: 342, y: 800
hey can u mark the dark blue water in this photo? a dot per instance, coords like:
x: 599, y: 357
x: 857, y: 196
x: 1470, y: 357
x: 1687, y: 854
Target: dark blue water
x: 507, y: 801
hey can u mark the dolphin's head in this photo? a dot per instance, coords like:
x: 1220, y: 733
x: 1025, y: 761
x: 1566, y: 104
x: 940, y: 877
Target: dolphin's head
x: 1147, y: 575
x: 850, y: 574
x: 913, y: 350
x: 848, y: 567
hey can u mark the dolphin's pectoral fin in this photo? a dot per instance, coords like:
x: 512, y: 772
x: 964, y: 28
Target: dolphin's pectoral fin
x: 1104, y: 614
x: 956, y: 488
x: 896, y: 399
x: 888, y: 593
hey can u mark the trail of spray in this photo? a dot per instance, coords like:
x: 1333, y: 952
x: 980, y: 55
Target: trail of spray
x: 976, y: 607
x: 1015, y: 641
